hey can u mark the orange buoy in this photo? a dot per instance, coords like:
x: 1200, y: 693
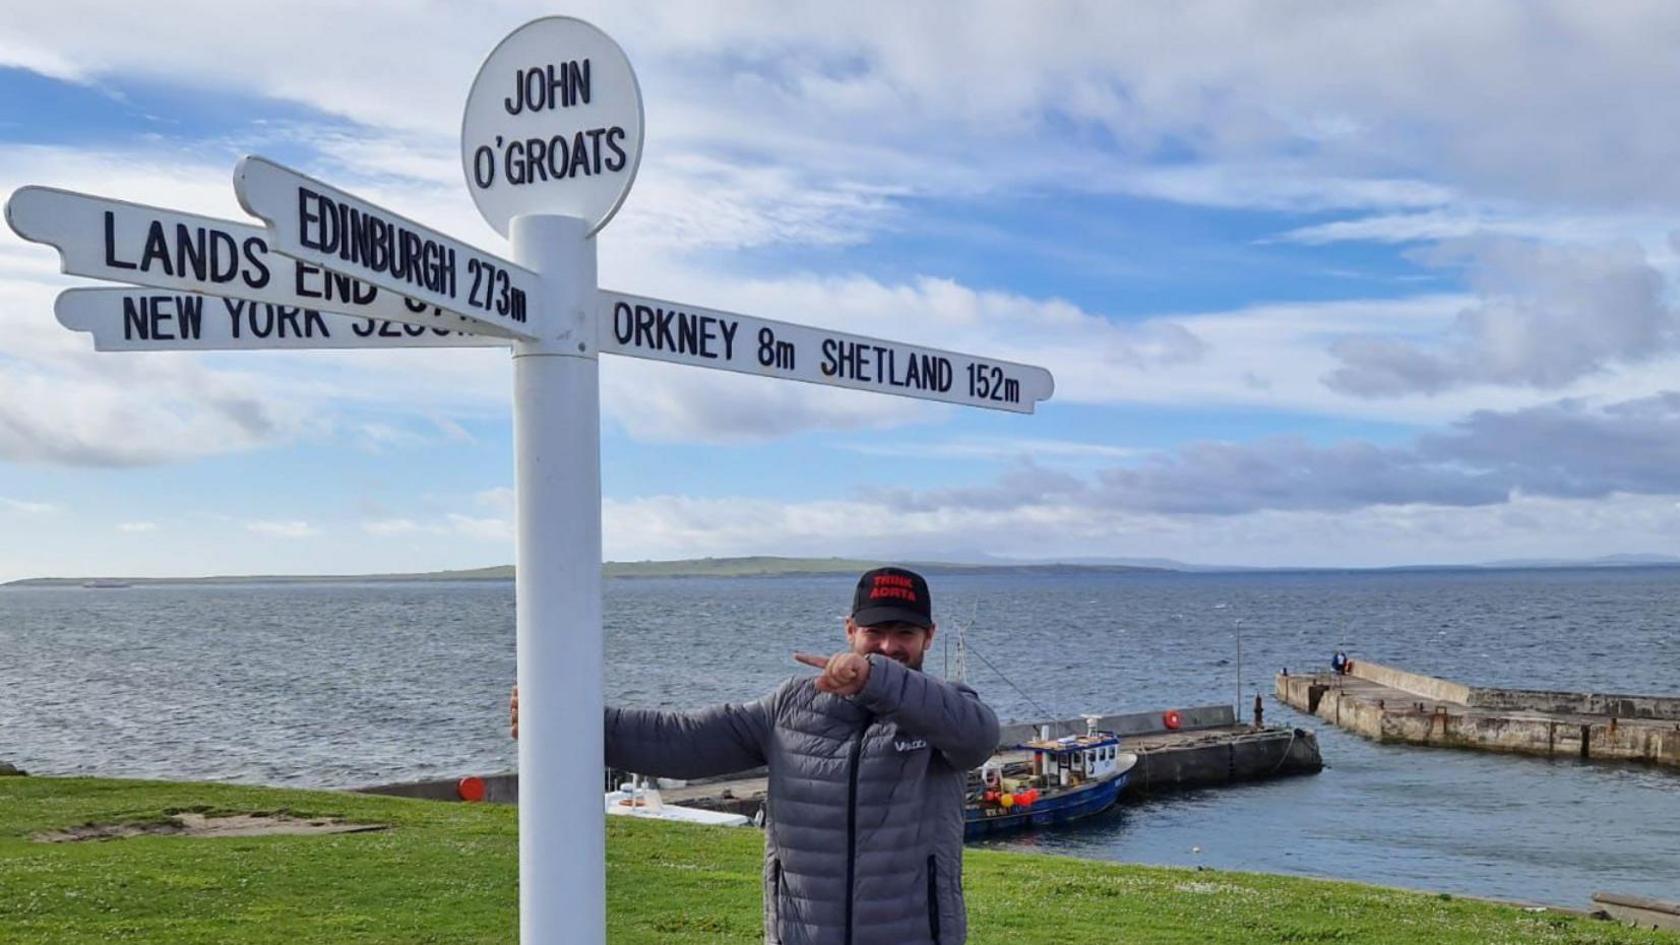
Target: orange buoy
x: 470, y: 788
x: 1171, y: 720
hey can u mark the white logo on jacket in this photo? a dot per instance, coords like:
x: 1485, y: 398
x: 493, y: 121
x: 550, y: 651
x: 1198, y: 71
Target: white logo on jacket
x: 909, y: 744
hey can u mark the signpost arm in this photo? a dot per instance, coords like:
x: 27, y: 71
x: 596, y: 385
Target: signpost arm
x: 561, y: 654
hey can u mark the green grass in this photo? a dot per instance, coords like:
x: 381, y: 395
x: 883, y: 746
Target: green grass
x: 447, y: 873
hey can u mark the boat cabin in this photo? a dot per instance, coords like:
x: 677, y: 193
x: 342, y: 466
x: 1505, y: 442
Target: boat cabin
x: 1075, y: 759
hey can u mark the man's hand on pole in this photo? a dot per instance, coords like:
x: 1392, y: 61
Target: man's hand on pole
x: 844, y: 674
x: 513, y: 713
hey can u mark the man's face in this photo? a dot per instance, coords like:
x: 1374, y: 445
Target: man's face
x: 904, y: 642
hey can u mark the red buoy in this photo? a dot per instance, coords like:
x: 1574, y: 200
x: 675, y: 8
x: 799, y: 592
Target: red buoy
x: 1171, y: 720
x: 470, y: 788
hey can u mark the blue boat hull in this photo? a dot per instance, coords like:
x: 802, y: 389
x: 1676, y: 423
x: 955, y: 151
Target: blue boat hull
x: 1094, y: 799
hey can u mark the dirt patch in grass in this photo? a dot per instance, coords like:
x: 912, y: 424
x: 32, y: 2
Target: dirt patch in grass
x: 194, y: 824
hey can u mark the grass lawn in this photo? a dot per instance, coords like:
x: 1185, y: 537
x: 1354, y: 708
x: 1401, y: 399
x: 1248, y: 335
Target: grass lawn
x: 447, y: 873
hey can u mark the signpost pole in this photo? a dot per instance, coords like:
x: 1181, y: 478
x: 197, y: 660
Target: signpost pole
x: 561, y: 654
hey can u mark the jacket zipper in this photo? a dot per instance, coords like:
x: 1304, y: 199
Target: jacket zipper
x: 933, y: 899
x: 851, y: 824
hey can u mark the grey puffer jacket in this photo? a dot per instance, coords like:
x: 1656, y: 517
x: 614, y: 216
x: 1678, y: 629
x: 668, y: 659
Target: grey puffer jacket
x: 863, y: 829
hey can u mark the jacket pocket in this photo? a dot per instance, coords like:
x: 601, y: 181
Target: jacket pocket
x: 933, y: 898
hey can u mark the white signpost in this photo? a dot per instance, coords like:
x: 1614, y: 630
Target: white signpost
x: 148, y: 320
x: 319, y: 224
x: 553, y: 125
x: 551, y: 141
x: 167, y: 249
x: 687, y: 334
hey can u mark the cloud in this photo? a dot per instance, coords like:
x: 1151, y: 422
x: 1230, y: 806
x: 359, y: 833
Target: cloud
x: 670, y: 526
x: 1366, y: 106
x: 480, y: 528
x: 27, y: 507
x: 137, y: 528
x: 1564, y: 450
x: 283, y: 529
x: 392, y: 526
x: 1545, y: 316
x: 997, y: 447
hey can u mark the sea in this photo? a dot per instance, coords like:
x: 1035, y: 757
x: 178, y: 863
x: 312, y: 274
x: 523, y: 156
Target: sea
x: 337, y: 685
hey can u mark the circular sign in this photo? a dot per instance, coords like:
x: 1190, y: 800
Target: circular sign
x: 553, y: 125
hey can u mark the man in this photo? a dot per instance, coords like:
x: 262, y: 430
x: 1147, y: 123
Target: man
x: 863, y: 821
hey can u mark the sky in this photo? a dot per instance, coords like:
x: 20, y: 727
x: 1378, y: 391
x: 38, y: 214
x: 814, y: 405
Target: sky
x: 1320, y: 285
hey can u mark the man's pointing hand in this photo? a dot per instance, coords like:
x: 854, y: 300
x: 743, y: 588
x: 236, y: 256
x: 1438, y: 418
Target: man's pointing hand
x: 844, y: 674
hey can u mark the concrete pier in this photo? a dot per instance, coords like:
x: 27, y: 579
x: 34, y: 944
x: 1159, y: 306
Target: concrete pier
x: 1208, y: 749
x: 1393, y: 705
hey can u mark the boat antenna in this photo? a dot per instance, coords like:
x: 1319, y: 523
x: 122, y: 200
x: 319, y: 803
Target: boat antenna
x: 962, y: 664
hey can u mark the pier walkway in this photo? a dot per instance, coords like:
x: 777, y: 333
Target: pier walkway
x: 1393, y: 705
x: 1210, y: 748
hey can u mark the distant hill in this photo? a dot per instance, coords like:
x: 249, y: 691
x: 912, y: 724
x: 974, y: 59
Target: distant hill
x: 769, y: 566
x: 756, y: 566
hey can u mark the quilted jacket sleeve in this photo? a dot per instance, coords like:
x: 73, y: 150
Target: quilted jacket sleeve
x: 712, y: 741
x: 949, y: 715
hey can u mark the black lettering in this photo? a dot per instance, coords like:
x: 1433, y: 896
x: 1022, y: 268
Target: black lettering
x: 389, y: 330
x: 160, y: 319
x: 644, y: 327
x: 376, y: 245
x: 615, y: 134
x: 580, y: 81
x: 667, y: 342
x: 413, y: 331
x: 265, y: 327
x: 134, y: 316
x: 363, y: 327
x: 314, y: 326
x: 288, y: 315
x: 729, y: 329
x: 190, y: 250
x: 558, y: 90
x: 708, y: 331
x: 688, y: 333
x: 516, y: 103
x: 536, y: 150
x: 157, y: 247
x: 559, y: 157
x: 536, y: 92
x: 305, y: 218
x: 254, y: 248
x: 580, y: 157
x: 624, y: 322
x: 830, y: 362
x: 111, y: 247
x: 595, y: 147
x: 222, y: 250
x: 513, y: 168
x: 189, y: 313
x: 235, y: 309
x: 300, y: 284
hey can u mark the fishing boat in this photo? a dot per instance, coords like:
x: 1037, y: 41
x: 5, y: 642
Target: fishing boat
x: 636, y: 799
x: 1067, y: 778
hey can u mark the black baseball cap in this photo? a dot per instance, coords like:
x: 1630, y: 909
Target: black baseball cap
x: 892, y: 595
